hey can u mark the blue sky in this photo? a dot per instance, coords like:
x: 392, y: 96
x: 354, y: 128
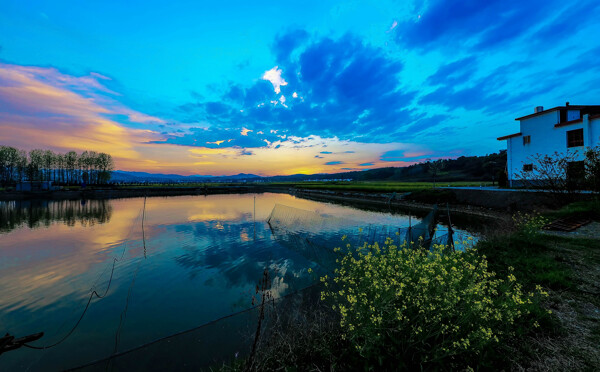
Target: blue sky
x: 281, y: 88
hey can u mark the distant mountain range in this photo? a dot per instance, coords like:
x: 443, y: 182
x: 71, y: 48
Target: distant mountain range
x: 125, y: 176
x: 464, y: 168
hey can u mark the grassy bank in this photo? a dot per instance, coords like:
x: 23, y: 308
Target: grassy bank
x: 568, y: 317
x: 568, y: 267
x: 376, y: 187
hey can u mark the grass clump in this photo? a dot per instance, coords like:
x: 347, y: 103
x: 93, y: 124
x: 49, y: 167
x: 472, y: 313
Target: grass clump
x: 583, y: 209
x: 408, y: 308
x: 528, y: 251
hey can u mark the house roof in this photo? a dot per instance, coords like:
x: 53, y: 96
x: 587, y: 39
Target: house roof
x: 509, y: 136
x: 593, y: 108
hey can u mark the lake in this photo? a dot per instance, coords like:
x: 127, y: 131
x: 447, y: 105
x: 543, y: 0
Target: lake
x: 176, y: 266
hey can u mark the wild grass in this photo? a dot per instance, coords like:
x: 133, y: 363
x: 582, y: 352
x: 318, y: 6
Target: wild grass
x: 568, y: 266
x: 589, y: 209
x: 533, y: 262
x: 385, y: 187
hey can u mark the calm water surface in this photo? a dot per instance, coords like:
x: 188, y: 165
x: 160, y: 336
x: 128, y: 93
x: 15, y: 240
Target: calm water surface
x: 197, y: 259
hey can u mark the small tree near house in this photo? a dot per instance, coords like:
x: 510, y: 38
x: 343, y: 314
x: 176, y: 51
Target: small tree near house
x: 592, y: 168
x: 562, y: 173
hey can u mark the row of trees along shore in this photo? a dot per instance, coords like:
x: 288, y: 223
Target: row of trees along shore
x: 45, y: 165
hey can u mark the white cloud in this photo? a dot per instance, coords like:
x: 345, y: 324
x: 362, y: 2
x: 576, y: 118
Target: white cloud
x: 282, y: 100
x: 245, y: 131
x: 274, y: 76
x: 295, y: 95
x: 394, y: 25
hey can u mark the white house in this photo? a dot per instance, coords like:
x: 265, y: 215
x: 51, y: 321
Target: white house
x: 563, y: 129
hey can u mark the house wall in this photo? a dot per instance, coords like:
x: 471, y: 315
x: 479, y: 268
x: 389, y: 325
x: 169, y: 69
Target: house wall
x: 539, y: 128
x: 546, y: 140
x: 594, y: 132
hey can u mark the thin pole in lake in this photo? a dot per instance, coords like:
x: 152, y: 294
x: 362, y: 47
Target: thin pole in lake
x: 143, y: 232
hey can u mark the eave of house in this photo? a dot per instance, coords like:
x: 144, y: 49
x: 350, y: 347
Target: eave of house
x: 564, y: 124
x: 509, y: 136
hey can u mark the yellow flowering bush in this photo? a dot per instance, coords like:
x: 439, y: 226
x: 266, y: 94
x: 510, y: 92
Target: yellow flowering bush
x: 529, y: 224
x: 403, y: 307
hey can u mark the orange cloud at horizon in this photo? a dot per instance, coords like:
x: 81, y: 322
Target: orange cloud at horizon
x: 43, y: 108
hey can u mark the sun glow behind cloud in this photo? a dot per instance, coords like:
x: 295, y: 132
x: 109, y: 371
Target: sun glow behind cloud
x: 257, y: 92
x: 43, y: 108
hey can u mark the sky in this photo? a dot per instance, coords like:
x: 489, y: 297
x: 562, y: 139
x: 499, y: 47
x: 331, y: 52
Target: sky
x: 278, y: 88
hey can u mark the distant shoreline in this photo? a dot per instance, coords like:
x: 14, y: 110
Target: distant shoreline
x: 133, y: 192
x: 475, y: 202
x: 375, y: 201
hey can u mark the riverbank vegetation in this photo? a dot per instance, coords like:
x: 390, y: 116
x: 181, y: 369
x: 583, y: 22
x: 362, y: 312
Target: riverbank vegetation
x: 45, y: 165
x: 520, y: 299
x: 377, y: 186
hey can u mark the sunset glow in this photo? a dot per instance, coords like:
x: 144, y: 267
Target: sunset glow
x: 363, y: 87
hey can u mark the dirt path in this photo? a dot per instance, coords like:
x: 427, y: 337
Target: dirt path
x: 577, y: 347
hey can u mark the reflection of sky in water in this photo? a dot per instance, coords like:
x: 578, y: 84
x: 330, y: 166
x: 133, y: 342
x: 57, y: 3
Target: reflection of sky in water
x: 202, y: 260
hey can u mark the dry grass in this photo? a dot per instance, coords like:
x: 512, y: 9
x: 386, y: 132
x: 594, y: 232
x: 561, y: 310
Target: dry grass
x: 576, y: 344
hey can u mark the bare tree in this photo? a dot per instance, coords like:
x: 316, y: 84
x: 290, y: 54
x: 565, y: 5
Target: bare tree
x: 592, y: 167
x: 36, y: 163
x: 71, y: 161
x: 435, y: 167
x: 105, y: 166
x: 48, y: 164
x: 45, y: 165
x: 9, y: 159
x: 548, y: 172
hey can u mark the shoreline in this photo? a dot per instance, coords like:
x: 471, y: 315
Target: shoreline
x: 382, y: 200
x: 374, y: 201
x: 134, y: 192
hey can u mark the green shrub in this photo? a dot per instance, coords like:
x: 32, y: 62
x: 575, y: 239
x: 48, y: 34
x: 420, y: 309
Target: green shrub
x: 404, y: 308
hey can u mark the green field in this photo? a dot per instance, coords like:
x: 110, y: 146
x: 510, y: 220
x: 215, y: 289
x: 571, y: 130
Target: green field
x: 384, y: 186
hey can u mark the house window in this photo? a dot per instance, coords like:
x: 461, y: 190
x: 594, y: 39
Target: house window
x: 526, y: 140
x: 527, y: 167
x: 575, y: 138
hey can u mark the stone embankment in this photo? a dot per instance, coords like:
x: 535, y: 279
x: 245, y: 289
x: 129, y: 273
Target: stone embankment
x: 379, y: 200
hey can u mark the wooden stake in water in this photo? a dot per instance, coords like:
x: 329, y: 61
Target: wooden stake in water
x: 254, y: 215
x: 143, y: 232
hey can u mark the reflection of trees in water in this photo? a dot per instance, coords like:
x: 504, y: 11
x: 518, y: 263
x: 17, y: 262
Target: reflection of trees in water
x: 36, y: 213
